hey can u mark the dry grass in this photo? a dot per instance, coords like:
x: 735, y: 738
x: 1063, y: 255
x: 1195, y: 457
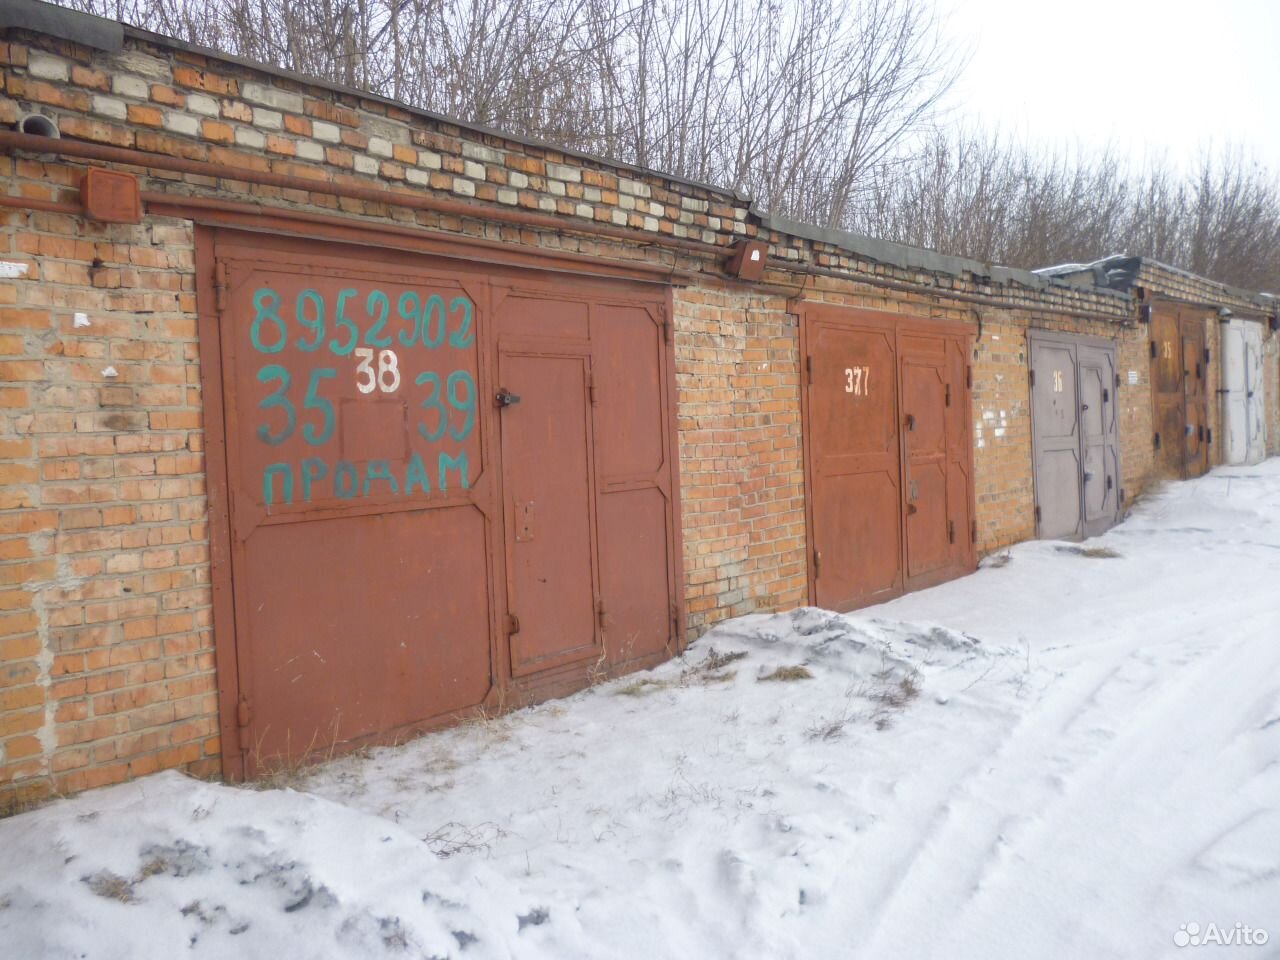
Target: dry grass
x: 112, y: 886
x: 787, y: 674
x: 641, y: 687
x: 1099, y: 553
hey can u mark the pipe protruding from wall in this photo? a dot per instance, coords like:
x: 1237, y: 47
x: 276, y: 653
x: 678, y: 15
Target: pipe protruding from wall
x: 37, y: 125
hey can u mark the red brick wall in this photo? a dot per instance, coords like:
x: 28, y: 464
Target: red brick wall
x: 105, y: 642
x: 741, y: 459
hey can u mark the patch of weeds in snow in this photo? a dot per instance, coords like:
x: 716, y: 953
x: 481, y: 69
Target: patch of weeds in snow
x: 534, y: 918
x: 453, y: 838
x: 998, y: 560
x: 787, y: 674
x: 1093, y: 553
x: 111, y: 886
x: 641, y: 687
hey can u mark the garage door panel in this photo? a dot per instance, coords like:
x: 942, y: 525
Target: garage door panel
x: 390, y: 524
x: 1054, y: 392
x: 885, y: 394
x: 634, y: 576
x: 351, y: 388
x: 627, y: 345
x: 1058, y: 493
x: 853, y: 387
x: 857, y: 537
x: 928, y: 536
x: 379, y: 633
x: 924, y: 398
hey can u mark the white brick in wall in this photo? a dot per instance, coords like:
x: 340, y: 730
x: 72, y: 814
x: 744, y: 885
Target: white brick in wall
x: 309, y: 150
x: 379, y: 147
x: 248, y: 137
x: 127, y: 86
x: 201, y: 104
x: 110, y: 107
x: 267, y: 119
x: 182, y: 123
x: 269, y: 96
x: 558, y: 171
x: 325, y: 131
x: 45, y: 67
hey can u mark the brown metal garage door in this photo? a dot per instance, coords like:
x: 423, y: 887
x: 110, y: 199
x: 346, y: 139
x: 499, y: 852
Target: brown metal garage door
x: 437, y: 484
x: 1075, y: 435
x: 888, y: 455
x: 1178, y: 396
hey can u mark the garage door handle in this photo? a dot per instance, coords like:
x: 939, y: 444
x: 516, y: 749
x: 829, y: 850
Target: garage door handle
x: 1088, y: 476
x: 1084, y: 406
x: 505, y: 398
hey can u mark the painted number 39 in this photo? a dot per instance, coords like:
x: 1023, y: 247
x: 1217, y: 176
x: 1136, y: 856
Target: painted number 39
x: 387, y: 376
x: 857, y: 380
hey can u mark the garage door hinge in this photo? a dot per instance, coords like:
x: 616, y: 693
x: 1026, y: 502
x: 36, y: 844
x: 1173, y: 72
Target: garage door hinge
x: 1031, y: 377
x: 591, y: 388
x: 1152, y: 347
x: 513, y: 624
x: 1209, y: 435
x: 951, y: 531
x: 948, y: 396
x: 968, y: 377
x: 220, y: 285
x: 817, y: 563
x: 1117, y: 381
x: 1037, y: 513
x: 242, y: 712
x: 808, y: 368
x: 668, y: 328
x: 600, y: 614
x: 1156, y: 441
x: 973, y: 531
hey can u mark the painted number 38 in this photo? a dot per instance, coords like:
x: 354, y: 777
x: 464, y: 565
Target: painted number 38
x: 387, y: 377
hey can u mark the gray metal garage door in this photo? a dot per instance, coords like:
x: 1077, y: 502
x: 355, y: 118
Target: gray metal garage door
x: 1075, y: 435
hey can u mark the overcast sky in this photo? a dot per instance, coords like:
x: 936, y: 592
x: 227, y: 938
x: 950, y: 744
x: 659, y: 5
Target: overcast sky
x: 1148, y: 75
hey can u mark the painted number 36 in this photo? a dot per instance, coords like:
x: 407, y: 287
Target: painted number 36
x: 387, y: 377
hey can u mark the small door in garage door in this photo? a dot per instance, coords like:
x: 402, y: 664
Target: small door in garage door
x: 1075, y: 435
x: 888, y: 454
x: 1243, y: 402
x: 550, y: 504
x: 1178, y: 396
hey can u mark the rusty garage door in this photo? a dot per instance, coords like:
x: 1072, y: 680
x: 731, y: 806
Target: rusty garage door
x: 888, y: 455
x: 434, y: 485
x: 1075, y: 434
x: 1179, y: 362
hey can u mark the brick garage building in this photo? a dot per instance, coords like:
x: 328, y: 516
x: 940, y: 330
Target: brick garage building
x: 118, y: 637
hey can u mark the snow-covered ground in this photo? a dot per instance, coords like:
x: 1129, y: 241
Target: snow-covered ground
x: 1073, y: 753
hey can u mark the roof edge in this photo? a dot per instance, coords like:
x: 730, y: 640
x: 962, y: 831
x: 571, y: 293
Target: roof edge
x: 907, y: 257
